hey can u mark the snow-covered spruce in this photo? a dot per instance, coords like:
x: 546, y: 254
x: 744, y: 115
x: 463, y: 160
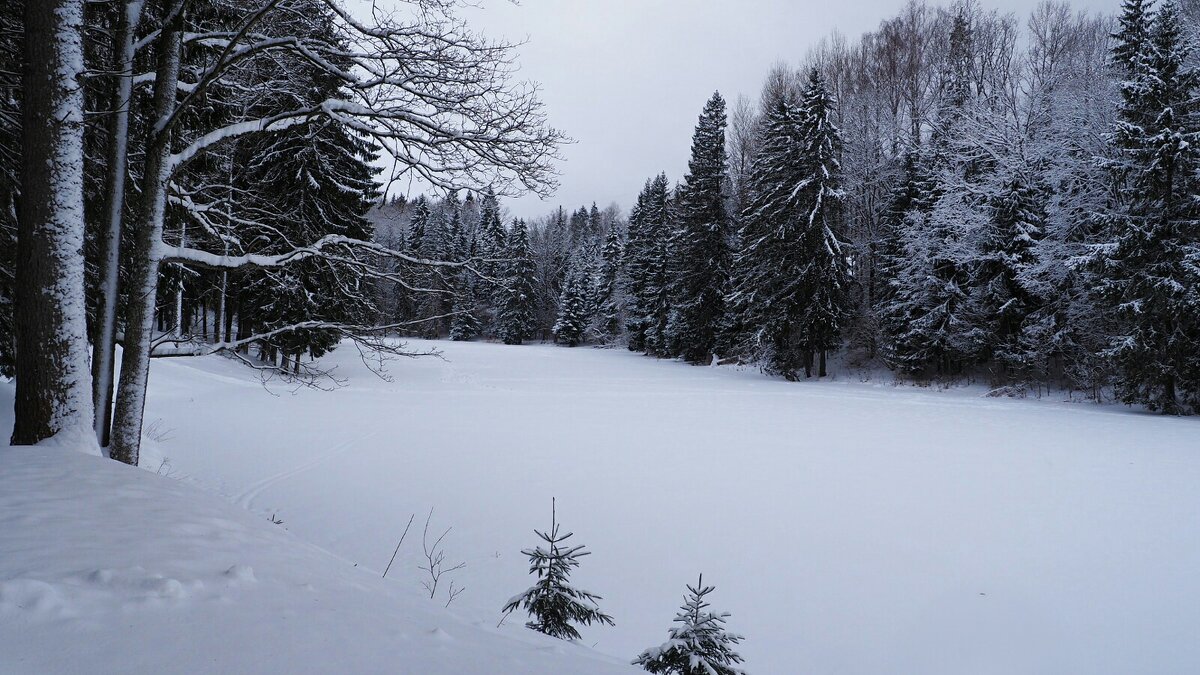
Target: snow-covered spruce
x: 515, y: 318
x: 700, y: 255
x: 647, y: 260
x: 699, y: 644
x: 552, y: 602
x: 573, y: 312
x: 1147, y: 264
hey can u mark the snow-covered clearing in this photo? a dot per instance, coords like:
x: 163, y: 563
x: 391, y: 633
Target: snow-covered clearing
x: 849, y: 527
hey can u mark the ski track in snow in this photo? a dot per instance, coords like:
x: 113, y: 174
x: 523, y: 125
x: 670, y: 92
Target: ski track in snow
x: 246, y: 498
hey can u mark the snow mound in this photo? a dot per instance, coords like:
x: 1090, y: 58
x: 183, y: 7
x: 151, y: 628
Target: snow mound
x: 104, y: 568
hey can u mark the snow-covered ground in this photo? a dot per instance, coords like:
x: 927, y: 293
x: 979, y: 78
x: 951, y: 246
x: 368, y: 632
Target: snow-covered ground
x: 849, y: 527
x: 106, y: 569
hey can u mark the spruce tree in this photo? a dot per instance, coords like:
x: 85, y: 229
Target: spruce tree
x: 1001, y: 283
x: 792, y: 290
x: 647, y: 256
x: 700, y: 257
x: 446, y: 239
x: 492, y: 249
x: 552, y: 603
x: 768, y: 294
x: 323, y: 173
x: 825, y: 276
x: 1147, y: 268
x: 11, y: 30
x: 573, y: 313
x: 516, y: 321
x: 699, y: 644
x: 465, y: 323
x: 1132, y: 36
x: 609, y: 300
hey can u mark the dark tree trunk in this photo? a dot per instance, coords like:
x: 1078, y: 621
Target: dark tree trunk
x: 230, y: 308
x: 53, y: 388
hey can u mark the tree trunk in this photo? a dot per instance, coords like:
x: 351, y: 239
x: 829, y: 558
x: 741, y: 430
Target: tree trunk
x: 180, y: 324
x: 144, y: 256
x: 53, y: 389
x: 219, y: 322
x: 821, y: 369
x: 103, y: 352
x: 228, y: 309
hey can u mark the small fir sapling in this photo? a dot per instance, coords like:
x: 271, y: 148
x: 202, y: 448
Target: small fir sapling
x: 552, y: 603
x: 698, y: 645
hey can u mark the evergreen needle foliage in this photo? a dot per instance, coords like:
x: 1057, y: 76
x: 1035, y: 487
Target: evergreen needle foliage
x: 552, y: 602
x: 698, y: 644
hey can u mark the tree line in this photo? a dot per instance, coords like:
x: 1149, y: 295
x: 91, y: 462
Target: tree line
x: 959, y: 194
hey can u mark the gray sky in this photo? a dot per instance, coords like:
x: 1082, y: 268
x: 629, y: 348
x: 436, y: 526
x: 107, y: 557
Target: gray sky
x: 627, y: 78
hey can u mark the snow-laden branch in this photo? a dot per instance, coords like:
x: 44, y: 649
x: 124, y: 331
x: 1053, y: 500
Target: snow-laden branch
x: 442, y: 101
x: 183, y: 254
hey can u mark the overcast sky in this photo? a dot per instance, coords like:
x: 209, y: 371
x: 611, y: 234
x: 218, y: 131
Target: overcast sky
x: 626, y: 79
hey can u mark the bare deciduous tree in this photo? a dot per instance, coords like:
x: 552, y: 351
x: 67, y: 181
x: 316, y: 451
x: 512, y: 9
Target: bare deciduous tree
x: 438, y: 98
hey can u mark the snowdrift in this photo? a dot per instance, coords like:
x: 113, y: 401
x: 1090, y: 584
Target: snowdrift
x: 109, y: 569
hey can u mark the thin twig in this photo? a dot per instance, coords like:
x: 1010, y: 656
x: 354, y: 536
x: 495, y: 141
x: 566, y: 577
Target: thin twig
x: 389, y: 565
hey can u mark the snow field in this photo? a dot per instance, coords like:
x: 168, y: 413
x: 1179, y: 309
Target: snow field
x: 848, y: 527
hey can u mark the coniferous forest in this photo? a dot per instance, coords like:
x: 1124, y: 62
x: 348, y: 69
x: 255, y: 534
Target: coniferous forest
x: 961, y: 195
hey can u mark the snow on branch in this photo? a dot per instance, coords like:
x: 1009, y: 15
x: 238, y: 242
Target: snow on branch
x: 441, y: 100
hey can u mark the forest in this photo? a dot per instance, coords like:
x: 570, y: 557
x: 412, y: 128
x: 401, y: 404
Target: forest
x: 959, y: 195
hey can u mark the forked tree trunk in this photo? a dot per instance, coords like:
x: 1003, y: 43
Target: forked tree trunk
x: 145, y: 257
x: 103, y: 351
x: 53, y: 384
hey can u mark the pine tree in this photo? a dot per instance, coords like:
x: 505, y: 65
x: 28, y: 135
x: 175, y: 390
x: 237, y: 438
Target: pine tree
x: 700, y: 257
x: 573, y: 312
x: 516, y: 322
x: 552, y: 602
x: 1147, y: 268
x: 699, y: 645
